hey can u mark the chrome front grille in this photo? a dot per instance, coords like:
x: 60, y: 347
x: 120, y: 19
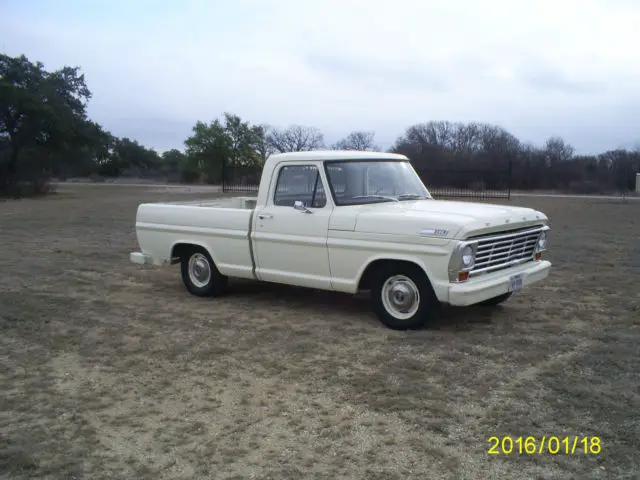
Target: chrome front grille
x: 504, y: 250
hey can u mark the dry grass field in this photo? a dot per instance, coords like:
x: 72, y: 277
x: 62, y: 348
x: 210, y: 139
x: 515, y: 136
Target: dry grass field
x: 111, y: 370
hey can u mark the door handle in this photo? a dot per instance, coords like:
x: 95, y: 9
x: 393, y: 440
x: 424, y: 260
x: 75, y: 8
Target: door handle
x: 263, y: 216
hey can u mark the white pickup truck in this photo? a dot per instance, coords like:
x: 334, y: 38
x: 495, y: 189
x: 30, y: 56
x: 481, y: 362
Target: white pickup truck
x: 350, y: 221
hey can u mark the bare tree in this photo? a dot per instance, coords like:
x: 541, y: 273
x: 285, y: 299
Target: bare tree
x: 466, y: 141
x: 357, y: 140
x: 558, y: 150
x: 296, y: 138
x: 436, y: 134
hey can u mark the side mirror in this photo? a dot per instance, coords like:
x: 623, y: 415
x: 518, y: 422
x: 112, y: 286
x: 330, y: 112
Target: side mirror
x: 299, y: 205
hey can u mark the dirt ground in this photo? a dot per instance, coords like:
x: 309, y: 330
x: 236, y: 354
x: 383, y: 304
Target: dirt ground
x: 112, y: 370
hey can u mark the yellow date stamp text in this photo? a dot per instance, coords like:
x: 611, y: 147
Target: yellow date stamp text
x: 570, y: 445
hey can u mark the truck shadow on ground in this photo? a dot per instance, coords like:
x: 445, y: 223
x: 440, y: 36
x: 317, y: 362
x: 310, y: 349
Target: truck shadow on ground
x: 337, y: 305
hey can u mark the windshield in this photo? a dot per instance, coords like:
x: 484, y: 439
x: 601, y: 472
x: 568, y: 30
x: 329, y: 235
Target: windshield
x: 359, y: 182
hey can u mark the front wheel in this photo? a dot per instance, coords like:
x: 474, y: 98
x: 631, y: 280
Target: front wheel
x: 403, y: 298
x: 200, y: 274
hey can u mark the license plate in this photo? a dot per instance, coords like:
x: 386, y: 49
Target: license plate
x: 515, y: 282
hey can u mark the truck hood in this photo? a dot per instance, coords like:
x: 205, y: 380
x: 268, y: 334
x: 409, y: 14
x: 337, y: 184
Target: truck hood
x: 442, y: 219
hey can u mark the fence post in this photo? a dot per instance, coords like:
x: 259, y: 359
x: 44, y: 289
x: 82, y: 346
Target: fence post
x: 509, y: 179
x: 223, y: 174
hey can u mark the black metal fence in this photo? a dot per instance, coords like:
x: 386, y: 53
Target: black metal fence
x: 457, y: 183
x: 241, y: 179
x: 442, y: 183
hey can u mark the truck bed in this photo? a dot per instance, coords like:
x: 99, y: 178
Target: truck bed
x: 222, y: 226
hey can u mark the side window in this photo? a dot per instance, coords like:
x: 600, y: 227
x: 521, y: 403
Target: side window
x: 337, y: 178
x: 300, y: 182
x: 319, y: 199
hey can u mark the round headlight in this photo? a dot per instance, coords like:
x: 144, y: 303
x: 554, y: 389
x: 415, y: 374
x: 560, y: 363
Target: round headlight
x: 542, y: 242
x: 467, y: 257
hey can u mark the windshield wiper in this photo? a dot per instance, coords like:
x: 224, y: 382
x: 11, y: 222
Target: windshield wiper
x: 411, y: 196
x: 382, y: 197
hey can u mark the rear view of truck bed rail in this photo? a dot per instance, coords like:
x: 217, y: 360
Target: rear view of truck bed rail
x: 245, y: 203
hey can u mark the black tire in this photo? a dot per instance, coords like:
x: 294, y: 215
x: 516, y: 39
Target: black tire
x: 427, y: 304
x: 492, y: 302
x: 211, y: 285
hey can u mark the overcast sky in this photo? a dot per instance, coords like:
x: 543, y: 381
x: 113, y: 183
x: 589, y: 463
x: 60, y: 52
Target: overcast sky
x: 537, y: 68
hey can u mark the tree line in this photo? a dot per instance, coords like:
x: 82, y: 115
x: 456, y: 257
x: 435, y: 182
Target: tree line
x: 45, y: 133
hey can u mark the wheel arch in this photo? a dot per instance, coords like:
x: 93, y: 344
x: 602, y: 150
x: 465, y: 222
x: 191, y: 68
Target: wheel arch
x: 181, y: 248
x: 368, y: 271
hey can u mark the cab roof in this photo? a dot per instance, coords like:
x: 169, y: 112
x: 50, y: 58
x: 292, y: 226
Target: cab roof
x: 335, y: 155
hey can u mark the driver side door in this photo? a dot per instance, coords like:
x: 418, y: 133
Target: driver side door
x: 290, y: 245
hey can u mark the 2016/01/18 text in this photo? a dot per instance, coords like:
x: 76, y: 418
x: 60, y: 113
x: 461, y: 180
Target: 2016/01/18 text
x: 537, y: 446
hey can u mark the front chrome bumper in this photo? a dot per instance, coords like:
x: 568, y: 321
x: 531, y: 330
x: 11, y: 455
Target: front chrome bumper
x: 488, y: 286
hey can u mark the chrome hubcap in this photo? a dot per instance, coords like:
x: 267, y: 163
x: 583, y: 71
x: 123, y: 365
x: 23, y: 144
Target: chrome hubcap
x: 199, y: 270
x: 400, y: 297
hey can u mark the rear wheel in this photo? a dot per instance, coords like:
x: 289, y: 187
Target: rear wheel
x: 492, y: 302
x: 200, y: 275
x: 402, y: 297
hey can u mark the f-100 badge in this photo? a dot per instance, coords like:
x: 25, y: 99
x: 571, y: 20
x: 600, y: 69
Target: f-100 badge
x: 437, y: 232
